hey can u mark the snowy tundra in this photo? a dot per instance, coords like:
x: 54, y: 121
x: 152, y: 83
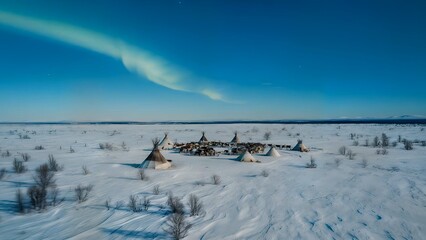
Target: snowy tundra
x: 375, y: 195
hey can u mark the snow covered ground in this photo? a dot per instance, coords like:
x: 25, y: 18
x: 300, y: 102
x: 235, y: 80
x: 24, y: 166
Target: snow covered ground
x: 384, y: 200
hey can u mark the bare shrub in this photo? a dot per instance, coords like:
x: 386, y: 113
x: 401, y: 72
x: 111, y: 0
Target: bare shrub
x: 342, y: 150
x: 423, y: 143
x: 351, y: 155
x: 54, y: 194
x: 53, y: 164
x: 82, y: 192
x: 2, y: 173
x: 44, y: 178
x: 366, y: 143
x: 267, y: 135
x: 337, y: 162
x: 312, y: 164
x: 134, y: 203
x: 142, y: 175
x: 106, y: 146
x: 399, y: 138
x: 408, y: 145
x: 119, y: 205
x: 6, y: 154
x: 385, y: 151
x: 20, y: 207
x: 264, y: 173
x: 18, y: 166
x: 85, y: 170
x: 25, y: 157
x: 376, y: 142
x: 216, y: 179
x: 108, y: 203
x: 385, y: 140
x: 195, y: 205
x: 394, y: 144
x: 72, y: 150
x: 156, y: 190
x: 355, y: 143
x: 146, y: 203
x: 175, y: 204
x: 124, y: 146
x: 39, y: 147
x: 364, y: 163
x: 37, y: 197
x: 177, y: 227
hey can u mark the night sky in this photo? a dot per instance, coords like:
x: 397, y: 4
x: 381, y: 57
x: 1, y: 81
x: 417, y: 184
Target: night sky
x: 211, y: 60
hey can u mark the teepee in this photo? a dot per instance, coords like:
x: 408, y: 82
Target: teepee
x: 246, y: 157
x: 273, y: 152
x: 203, y: 139
x: 300, y: 147
x: 236, y: 139
x: 155, y: 159
x: 166, y: 143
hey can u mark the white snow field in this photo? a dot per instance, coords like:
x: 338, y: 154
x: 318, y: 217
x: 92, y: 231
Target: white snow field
x: 384, y: 200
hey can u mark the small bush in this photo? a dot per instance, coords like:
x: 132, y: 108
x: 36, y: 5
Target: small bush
x: 342, y: 150
x: 394, y: 144
x: 216, y: 179
x: 108, y: 203
x: 2, y: 173
x: 423, y: 143
x: 146, y: 203
x: 119, y: 205
x: 134, y: 203
x: 312, y: 164
x: 175, y: 204
x: 338, y: 162
x: 408, y: 145
x: 385, y: 140
x: 351, y: 155
x: 85, y: 170
x: 53, y: 164
x: 37, y: 197
x: 267, y: 135
x: 54, y: 193
x: 82, y: 192
x: 106, y: 146
x: 364, y: 163
x: 20, y: 202
x: 124, y: 146
x: 6, y: 154
x: 44, y: 178
x: 376, y: 142
x: 39, y: 147
x: 18, y: 166
x: 25, y: 157
x: 142, y: 175
x: 195, y: 205
x: 264, y: 173
x: 72, y: 150
x: 355, y: 143
x: 156, y: 190
x: 366, y: 143
x: 177, y: 227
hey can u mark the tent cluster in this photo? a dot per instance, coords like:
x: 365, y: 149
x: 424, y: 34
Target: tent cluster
x: 203, y: 147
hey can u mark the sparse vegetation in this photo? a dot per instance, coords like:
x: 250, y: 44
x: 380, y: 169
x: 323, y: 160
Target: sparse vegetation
x: 25, y: 157
x: 44, y: 178
x: 342, y: 150
x: 364, y: 163
x: 312, y: 164
x: 351, y: 155
x: 142, y: 175
x: 408, y: 145
x: 156, y: 190
x: 53, y: 164
x: 20, y: 207
x: 18, y: 166
x: 37, y: 197
x: 6, y: 154
x: 267, y: 135
x: 134, y: 203
x: 195, y: 205
x: 82, y: 192
x: 177, y: 227
x: 108, y: 203
x: 106, y: 146
x: 264, y: 173
x: 39, y: 147
x: 85, y: 170
x: 337, y: 162
x: 146, y: 203
x: 2, y: 173
x: 355, y: 143
x: 376, y: 142
x: 72, y: 150
x: 175, y: 204
x: 216, y: 179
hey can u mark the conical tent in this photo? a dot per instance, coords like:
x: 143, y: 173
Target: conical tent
x: 236, y: 139
x: 203, y: 138
x: 155, y: 159
x: 273, y: 152
x: 166, y: 143
x: 246, y: 157
x: 300, y: 147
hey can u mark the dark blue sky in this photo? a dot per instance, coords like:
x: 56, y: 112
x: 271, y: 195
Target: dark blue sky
x: 233, y: 59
